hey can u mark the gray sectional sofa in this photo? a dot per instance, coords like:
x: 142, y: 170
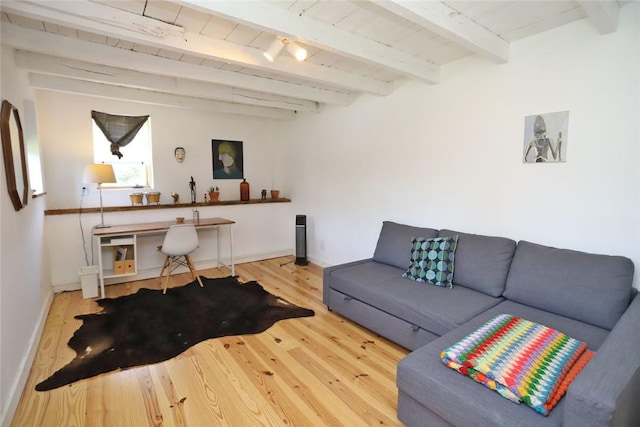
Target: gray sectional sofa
x: 589, y: 297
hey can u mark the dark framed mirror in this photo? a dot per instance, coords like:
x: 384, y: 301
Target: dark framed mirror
x: 15, y: 158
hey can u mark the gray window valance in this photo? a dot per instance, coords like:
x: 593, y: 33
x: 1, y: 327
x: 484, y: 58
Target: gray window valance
x: 119, y: 130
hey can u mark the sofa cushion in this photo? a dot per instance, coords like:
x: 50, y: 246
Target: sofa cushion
x: 424, y: 377
x: 435, y: 309
x: 394, y: 243
x: 482, y: 262
x: 591, y: 288
x: 432, y: 261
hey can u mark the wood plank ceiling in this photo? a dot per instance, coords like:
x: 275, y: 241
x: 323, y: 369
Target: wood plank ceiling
x: 208, y: 55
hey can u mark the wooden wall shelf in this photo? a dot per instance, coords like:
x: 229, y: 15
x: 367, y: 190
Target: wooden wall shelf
x: 168, y: 206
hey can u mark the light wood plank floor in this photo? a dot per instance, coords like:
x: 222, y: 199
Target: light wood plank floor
x: 314, y: 371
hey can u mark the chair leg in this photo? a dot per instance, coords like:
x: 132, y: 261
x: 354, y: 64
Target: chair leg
x: 166, y: 282
x: 164, y: 266
x: 192, y: 269
x: 194, y: 272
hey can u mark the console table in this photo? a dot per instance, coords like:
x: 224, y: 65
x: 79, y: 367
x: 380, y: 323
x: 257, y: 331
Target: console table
x: 122, y: 240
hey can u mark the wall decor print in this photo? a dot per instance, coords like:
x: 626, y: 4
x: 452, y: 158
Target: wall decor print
x: 227, y: 159
x: 545, y: 137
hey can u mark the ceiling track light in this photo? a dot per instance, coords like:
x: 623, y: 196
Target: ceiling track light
x: 273, y: 50
x: 293, y: 48
x: 297, y: 51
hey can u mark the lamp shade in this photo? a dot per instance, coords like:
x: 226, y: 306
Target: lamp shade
x: 98, y: 174
x: 274, y: 49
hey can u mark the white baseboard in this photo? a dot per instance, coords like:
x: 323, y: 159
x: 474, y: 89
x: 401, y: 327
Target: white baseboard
x: 150, y: 273
x: 15, y: 391
x: 319, y: 262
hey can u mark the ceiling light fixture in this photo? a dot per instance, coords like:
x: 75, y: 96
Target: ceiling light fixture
x: 273, y: 50
x: 276, y: 46
x: 297, y: 51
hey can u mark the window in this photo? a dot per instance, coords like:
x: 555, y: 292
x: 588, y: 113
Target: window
x: 134, y: 169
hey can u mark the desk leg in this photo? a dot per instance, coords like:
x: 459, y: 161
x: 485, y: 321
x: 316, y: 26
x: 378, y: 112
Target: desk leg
x: 102, y: 295
x: 233, y: 268
x: 96, y: 241
x: 218, y: 245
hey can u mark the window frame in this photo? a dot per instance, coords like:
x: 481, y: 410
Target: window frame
x: 102, y: 154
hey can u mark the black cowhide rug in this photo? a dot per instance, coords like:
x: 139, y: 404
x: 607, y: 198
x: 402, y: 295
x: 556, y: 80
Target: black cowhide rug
x: 149, y: 327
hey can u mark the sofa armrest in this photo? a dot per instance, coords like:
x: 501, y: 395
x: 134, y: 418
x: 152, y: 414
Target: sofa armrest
x: 607, y: 391
x: 326, y: 276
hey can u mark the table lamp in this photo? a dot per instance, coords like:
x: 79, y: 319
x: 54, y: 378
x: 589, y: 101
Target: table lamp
x: 99, y: 174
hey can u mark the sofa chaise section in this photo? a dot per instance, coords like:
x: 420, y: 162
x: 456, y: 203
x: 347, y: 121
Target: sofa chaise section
x: 583, y: 295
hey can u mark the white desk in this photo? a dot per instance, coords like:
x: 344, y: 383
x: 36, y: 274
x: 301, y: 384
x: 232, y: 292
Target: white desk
x: 126, y: 236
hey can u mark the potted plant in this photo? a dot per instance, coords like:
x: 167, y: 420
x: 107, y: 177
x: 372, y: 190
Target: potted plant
x: 214, y: 194
x: 275, y: 194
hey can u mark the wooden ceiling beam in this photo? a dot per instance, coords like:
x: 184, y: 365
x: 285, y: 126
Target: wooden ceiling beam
x: 445, y: 21
x: 94, y: 17
x: 602, y: 14
x: 98, y: 18
x: 277, y: 20
x: 63, y: 84
x: 68, y: 47
x: 98, y: 73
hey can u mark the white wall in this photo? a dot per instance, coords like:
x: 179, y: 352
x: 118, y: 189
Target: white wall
x: 450, y: 155
x: 65, y: 124
x: 25, y: 293
x: 261, y: 231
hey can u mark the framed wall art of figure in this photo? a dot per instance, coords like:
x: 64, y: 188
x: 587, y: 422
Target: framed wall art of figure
x: 545, y: 137
x: 227, y: 159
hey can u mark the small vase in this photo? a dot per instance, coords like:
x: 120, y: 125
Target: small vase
x: 153, y: 198
x: 244, y: 190
x: 136, y: 199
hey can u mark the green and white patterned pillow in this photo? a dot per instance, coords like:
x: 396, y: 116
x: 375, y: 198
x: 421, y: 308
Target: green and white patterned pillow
x: 432, y: 260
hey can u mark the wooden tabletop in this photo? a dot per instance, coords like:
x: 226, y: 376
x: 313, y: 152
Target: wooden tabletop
x: 149, y: 227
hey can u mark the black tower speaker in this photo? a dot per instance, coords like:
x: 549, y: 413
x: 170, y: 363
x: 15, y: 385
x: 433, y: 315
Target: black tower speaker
x: 301, y: 240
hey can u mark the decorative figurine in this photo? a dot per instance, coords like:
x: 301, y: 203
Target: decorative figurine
x: 192, y: 185
x: 176, y: 198
x: 264, y: 195
x: 205, y: 197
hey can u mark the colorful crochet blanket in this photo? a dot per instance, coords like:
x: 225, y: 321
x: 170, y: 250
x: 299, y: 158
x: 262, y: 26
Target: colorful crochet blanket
x: 521, y: 360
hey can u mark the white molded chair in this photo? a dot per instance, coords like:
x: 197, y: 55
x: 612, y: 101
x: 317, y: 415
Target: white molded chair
x: 179, y: 242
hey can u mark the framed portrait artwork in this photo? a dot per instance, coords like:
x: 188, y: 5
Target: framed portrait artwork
x: 545, y: 137
x: 227, y: 159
